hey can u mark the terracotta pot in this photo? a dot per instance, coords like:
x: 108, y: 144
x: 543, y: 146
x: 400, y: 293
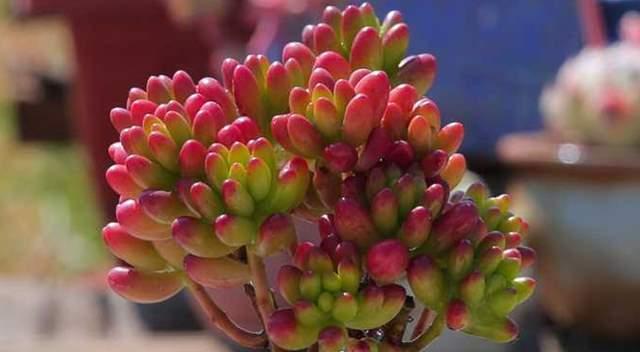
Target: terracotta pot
x: 583, y: 204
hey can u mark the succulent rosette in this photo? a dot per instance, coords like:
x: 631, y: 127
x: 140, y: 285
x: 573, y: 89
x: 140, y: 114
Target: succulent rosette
x: 470, y: 271
x: 462, y: 255
x: 353, y: 126
x: 195, y: 180
x: 326, y: 291
x: 211, y: 175
x: 367, y: 43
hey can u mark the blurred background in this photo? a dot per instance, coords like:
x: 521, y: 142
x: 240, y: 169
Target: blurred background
x: 562, y: 137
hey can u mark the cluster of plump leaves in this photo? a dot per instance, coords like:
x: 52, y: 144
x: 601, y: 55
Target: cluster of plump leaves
x: 324, y: 288
x: 197, y: 183
x: 338, y: 132
x: 470, y: 271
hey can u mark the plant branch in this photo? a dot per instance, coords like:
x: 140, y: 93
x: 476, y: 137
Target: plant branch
x: 427, y: 337
x: 260, y: 285
x: 263, y: 298
x: 222, y: 321
x: 394, y: 331
x: 251, y: 293
x: 421, y: 325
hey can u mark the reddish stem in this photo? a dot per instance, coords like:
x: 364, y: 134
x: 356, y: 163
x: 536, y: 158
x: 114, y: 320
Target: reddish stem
x: 421, y: 325
x: 222, y: 321
x: 263, y: 297
x: 592, y: 23
x: 427, y: 337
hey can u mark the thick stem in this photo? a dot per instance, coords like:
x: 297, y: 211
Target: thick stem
x: 429, y: 336
x: 260, y: 285
x: 222, y: 321
x: 263, y: 297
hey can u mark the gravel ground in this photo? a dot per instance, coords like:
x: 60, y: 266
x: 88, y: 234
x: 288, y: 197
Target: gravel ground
x: 37, y: 316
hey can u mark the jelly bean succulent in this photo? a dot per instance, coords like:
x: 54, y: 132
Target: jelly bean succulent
x: 212, y: 175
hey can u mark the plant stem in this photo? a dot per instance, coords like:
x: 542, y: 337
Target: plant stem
x: 261, y: 286
x: 427, y: 337
x: 421, y: 325
x: 263, y: 298
x: 222, y: 321
x: 251, y: 293
x: 394, y: 331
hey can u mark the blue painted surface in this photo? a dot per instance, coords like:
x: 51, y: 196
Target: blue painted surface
x: 494, y: 57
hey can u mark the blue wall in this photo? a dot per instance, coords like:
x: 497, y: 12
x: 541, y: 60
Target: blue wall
x: 494, y: 57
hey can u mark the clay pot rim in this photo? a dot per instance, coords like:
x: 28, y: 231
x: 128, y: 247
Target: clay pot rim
x: 541, y: 152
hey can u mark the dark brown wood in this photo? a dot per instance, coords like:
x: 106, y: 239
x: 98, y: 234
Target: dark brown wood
x: 542, y: 154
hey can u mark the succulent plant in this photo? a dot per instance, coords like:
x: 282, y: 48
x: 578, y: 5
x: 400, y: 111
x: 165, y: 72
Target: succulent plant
x: 324, y: 290
x: 595, y: 98
x: 211, y: 176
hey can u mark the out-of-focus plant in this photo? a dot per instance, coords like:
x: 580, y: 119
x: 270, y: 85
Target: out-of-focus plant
x: 211, y: 175
x: 46, y: 209
x: 596, y: 96
x: 37, y: 47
